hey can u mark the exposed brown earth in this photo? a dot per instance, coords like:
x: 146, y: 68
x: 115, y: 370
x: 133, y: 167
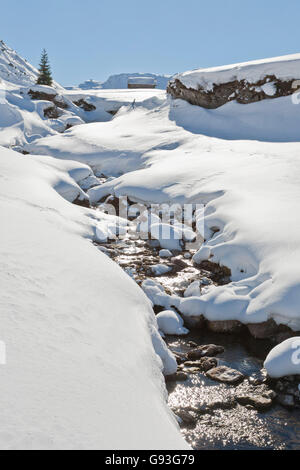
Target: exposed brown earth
x: 238, y: 90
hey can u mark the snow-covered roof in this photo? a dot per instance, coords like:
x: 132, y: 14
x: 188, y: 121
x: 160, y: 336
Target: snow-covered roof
x: 141, y: 81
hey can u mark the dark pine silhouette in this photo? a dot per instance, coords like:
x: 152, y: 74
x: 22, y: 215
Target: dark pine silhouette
x: 45, y: 77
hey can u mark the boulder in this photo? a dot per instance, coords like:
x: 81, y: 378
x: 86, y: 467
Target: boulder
x: 208, y: 350
x: 226, y: 375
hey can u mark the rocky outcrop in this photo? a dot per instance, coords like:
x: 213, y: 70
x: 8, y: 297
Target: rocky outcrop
x: 84, y: 105
x: 238, y: 90
x: 57, y: 100
x: 52, y: 112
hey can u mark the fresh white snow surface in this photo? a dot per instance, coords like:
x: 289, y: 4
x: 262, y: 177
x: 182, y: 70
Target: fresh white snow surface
x: 251, y: 190
x: 81, y: 369
x: 284, y: 359
x: 171, y: 323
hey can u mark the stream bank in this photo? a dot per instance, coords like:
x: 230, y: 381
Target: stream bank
x: 244, y: 410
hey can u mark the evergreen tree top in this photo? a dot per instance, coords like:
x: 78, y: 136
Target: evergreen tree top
x: 45, y: 76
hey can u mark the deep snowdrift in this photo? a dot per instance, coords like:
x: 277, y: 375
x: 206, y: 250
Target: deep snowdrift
x: 251, y: 190
x: 81, y: 370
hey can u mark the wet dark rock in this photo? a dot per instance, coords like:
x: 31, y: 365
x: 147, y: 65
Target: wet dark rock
x: 259, y: 377
x: 185, y: 416
x: 192, y: 344
x: 226, y: 375
x: 194, y: 322
x: 256, y: 401
x: 225, y: 326
x: 288, y: 401
x: 208, y: 350
x: 266, y: 329
x: 204, y: 364
x: 193, y: 370
x: 180, y: 358
x: 222, y: 403
x: 177, y: 377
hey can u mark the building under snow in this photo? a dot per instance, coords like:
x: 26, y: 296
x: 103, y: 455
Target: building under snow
x: 141, y: 82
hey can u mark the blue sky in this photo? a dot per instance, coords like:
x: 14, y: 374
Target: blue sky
x: 94, y: 38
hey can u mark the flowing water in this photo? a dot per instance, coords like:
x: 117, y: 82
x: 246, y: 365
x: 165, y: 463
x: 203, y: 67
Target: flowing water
x: 221, y: 427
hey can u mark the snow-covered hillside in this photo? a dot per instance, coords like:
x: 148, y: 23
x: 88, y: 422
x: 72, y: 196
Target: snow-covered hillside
x: 251, y: 190
x: 14, y: 69
x: 81, y: 369
x: 29, y: 112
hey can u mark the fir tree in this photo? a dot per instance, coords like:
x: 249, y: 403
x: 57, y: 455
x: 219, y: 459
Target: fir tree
x: 45, y: 77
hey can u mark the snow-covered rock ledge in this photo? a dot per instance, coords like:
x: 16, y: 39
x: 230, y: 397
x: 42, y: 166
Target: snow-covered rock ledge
x: 245, y: 83
x: 80, y: 336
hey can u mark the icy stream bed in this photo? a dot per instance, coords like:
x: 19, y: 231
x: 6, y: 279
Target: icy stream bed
x: 222, y: 422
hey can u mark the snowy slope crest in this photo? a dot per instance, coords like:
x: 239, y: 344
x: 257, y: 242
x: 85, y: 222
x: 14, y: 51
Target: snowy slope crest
x: 14, y: 69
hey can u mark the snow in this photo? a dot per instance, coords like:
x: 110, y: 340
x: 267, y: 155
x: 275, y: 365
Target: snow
x: 284, y: 359
x: 194, y: 290
x: 121, y: 80
x: 269, y: 88
x: 284, y: 68
x: 165, y: 253
x: 157, y: 295
x: 250, y: 189
x: 160, y: 269
x: 81, y: 369
x: 171, y: 323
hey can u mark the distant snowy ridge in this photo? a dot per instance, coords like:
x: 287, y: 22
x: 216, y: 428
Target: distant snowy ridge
x: 120, y: 81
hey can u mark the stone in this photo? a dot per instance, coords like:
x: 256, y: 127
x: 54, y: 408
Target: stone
x: 226, y: 375
x: 258, y: 378
x: 194, y: 322
x: 185, y: 416
x: 194, y: 370
x: 180, y: 358
x: 288, y: 401
x: 226, y: 403
x: 208, y: 350
x: 226, y: 326
x: 204, y: 364
x: 267, y: 330
x: 177, y: 377
x: 256, y: 401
